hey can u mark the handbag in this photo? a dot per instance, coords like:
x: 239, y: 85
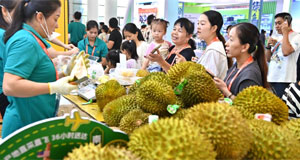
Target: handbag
x: 291, y: 97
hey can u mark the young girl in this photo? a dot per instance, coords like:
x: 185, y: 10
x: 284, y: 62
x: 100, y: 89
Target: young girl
x: 131, y: 32
x: 92, y: 45
x: 112, y: 58
x: 129, y: 49
x: 158, y: 30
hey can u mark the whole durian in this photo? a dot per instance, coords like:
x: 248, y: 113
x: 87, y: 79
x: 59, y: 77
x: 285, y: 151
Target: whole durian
x: 200, y: 88
x: 154, y: 97
x: 256, y: 99
x: 170, y: 139
x: 133, y: 120
x: 224, y: 126
x: 180, y: 113
x: 294, y: 126
x: 181, y: 70
x: 92, y: 152
x: 142, y: 73
x: 107, y: 92
x: 116, y: 109
x: 272, y: 142
x: 155, y: 76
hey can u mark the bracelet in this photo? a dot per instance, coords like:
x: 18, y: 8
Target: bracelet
x: 268, y: 47
x: 229, y: 95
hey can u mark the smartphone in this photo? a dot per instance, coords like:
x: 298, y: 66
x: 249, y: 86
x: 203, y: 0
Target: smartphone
x: 211, y: 75
x: 155, y: 49
x: 288, y: 19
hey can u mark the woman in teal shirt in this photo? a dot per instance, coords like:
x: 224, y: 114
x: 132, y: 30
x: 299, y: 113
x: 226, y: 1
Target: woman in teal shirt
x: 92, y: 44
x: 7, y: 8
x: 30, y: 78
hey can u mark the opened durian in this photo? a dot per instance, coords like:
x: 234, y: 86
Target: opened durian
x: 256, y: 99
x: 224, y: 126
x: 170, y: 139
x: 107, y: 92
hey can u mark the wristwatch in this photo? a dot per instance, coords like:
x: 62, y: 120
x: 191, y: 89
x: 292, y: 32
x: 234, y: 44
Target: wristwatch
x: 268, y: 47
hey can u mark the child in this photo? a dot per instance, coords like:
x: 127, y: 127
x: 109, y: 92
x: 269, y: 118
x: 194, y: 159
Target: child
x: 112, y: 58
x: 129, y: 49
x: 92, y: 45
x: 159, y: 29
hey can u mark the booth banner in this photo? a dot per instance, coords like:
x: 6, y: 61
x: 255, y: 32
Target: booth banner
x: 255, y: 11
x: 145, y: 12
x: 54, y: 138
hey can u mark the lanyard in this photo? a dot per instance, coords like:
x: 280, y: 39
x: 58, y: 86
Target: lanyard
x: 45, y: 50
x: 177, y: 51
x: 279, y: 43
x: 214, y: 40
x: 86, y: 50
x: 249, y: 60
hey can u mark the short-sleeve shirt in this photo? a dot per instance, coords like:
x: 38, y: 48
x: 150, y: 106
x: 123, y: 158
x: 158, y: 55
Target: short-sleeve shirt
x: 100, y: 48
x: 187, y: 53
x: 283, y: 69
x: 249, y: 76
x: 77, y: 31
x: 116, y: 37
x: 2, y: 48
x: 24, y: 57
x: 214, y: 59
x: 132, y: 63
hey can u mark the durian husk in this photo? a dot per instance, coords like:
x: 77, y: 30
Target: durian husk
x: 133, y: 120
x: 155, y: 76
x: 154, y: 97
x: 96, y: 152
x: 142, y: 73
x: 272, y: 142
x: 115, y: 110
x: 294, y: 126
x: 181, y: 70
x: 200, y: 88
x: 170, y: 139
x: 107, y: 92
x: 256, y: 99
x: 224, y: 126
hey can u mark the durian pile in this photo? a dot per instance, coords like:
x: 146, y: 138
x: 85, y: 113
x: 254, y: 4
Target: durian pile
x: 202, y: 127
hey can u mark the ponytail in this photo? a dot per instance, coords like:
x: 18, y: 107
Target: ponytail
x: 192, y: 43
x: 18, y: 20
x: 259, y: 56
x: 222, y: 39
x: 140, y: 35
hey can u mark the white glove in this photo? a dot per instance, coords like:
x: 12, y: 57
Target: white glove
x: 62, y: 86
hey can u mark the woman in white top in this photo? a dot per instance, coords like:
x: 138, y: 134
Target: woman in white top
x: 104, y: 34
x: 214, y: 58
x: 131, y: 32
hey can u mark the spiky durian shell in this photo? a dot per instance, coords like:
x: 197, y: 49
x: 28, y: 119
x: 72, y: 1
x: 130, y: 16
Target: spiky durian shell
x: 93, y: 152
x: 107, y: 92
x: 256, y: 99
x: 224, y: 126
x: 154, y: 97
x: 182, y: 70
x: 200, y: 88
x: 155, y: 76
x: 170, y: 139
x: 294, y: 126
x: 133, y: 120
x: 142, y: 73
x: 180, y: 113
x: 116, y: 109
x: 272, y: 142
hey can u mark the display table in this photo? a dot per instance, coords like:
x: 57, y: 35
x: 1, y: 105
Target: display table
x: 91, y: 109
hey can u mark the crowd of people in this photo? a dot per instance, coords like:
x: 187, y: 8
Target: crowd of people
x: 29, y: 79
